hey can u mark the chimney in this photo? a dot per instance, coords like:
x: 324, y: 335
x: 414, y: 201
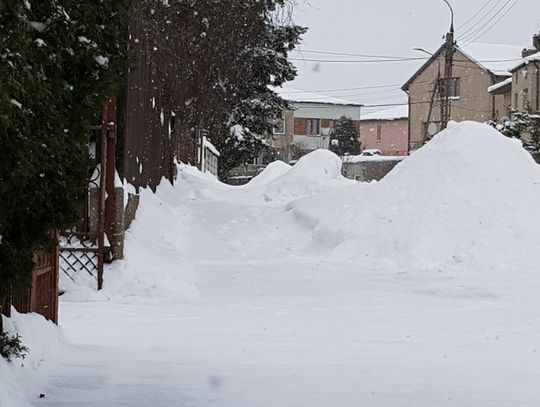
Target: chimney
x: 536, y: 42
x: 527, y: 52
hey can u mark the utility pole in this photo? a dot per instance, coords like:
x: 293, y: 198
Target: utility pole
x: 445, y: 85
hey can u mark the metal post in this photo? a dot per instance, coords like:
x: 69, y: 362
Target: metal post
x: 102, y: 196
x: 110, y: 170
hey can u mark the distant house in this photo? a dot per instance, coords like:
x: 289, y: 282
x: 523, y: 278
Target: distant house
x: 521, y: 91
x: 526, y: 85
x: 476, y: 67
x: 386, y: 131
x: 307, y: 127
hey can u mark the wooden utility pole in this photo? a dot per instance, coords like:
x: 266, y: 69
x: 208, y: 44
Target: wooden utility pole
x: 446, y: 83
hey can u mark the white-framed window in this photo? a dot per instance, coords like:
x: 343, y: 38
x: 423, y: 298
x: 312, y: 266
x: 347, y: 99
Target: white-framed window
x: 313, y: 127
x: 279, y: 125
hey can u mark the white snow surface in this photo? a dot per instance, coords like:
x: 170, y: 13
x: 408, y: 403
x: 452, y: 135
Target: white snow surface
x: 395, y: 113
x: 420, y: 290
x: 272, y: 171
x: 500, y: 85
x: 496, y: 58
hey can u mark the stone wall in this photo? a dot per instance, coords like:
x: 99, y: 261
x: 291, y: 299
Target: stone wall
x: 367, y: 171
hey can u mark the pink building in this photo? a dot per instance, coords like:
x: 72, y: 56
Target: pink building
x: 387, y: 131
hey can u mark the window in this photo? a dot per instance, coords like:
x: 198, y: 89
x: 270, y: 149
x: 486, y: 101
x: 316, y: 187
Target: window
x: 279, y: 125
x: 450, y: 87
x: 525, y: 99
x: 313, y: 127
x: 379, y: 133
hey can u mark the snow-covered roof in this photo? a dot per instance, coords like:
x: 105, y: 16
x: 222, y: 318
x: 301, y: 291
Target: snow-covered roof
x: 495, y: 58
x: 300, y: 96
x: 526, y: 61
x: 395, y: 113
x: 208, y: 144
x: 500, y: 85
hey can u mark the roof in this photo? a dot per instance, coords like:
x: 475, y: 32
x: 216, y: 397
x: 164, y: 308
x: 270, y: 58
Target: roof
x: 526, y: 61
x: 299, y: 96
x: 208, y: 144
x: 395, y: 113
x: 501, y: 87
x: 496, y: 59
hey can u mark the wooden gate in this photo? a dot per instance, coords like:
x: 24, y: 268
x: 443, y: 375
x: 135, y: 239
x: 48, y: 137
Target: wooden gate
x: 42, y: 295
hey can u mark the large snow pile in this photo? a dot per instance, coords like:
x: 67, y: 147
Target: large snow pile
x: 470, y: 196
x: 19, y: 378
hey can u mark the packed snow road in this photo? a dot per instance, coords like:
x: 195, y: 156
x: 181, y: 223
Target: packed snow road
x: 275, y: 295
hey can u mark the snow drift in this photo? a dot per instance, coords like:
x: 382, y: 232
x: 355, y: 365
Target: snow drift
x: 19, y: 378
x: 278, y: 184
x: 154, y: 251
x: 272, y: 171
x: 470, y: 196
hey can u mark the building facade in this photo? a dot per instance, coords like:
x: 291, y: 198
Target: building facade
x: 386, y: 131
x: 526, y: 85
x: 307, y: 126
x: 476, y: 67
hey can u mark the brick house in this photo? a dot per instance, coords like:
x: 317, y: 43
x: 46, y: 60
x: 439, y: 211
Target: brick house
x: 386, y: 131
x: 476, y: 67
x: 307, y: 127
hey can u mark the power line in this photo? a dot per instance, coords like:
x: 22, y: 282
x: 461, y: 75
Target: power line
x: 359, y: 61
x: 345, y: 61
x: 474, y: 16
x: 350, y: 54
x: 495, y: 23
x: 467, y: 37
x: 342, y: 89
x: 482, y: 19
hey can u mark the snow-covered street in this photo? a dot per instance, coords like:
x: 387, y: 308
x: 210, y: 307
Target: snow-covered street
x: 231, y: 297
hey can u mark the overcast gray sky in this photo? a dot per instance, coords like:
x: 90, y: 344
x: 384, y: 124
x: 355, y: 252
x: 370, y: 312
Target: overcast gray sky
x: 394, y: 28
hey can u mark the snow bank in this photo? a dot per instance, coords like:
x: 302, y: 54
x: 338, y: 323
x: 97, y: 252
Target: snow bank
x: 470, y: 196
x: 19, y: 378
x: 154, y: 265
x: 314, y: 173
x: 277, y: 185
x: 272, y: 171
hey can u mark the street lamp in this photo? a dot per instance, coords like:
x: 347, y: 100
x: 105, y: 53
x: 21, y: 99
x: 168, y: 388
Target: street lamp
x: 451, y: 15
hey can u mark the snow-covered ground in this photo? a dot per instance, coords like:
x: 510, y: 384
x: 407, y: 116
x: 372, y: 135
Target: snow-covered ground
x: 306, y: 289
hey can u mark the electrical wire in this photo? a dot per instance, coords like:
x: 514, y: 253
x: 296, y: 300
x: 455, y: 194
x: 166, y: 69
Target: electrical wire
x: 342, y: 89
x: 482, y: 19
x: 474, y: 16
x: 349, y: 54
x: 469, y: 41
x: 368, y: 61
x: 504, y: 10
